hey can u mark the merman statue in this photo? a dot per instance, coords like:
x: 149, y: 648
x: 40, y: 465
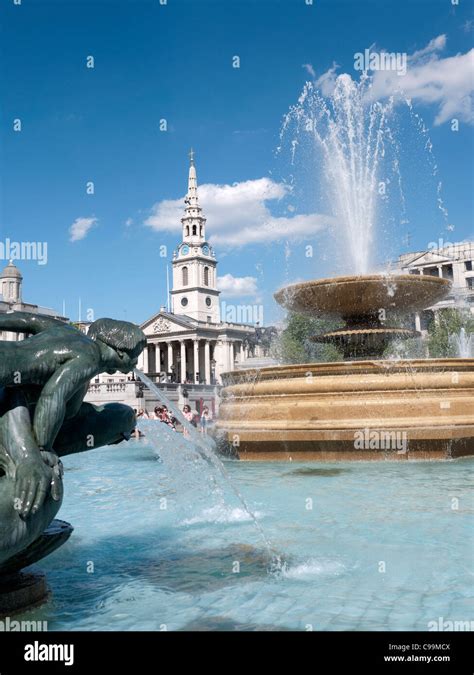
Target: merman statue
x: 43, y: 416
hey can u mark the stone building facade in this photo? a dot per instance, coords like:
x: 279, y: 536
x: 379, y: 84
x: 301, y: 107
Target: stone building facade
x: 452, y: 261
x: 11, y: 300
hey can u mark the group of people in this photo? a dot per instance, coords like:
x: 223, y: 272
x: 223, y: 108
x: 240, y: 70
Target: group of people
x: 193, y: 417
x: 162, y: 414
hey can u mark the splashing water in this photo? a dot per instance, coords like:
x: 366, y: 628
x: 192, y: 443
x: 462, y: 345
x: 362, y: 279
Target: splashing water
x: 464, y: 344
x: 353, y: 141
x: 196, y: 457
x: 351, y: 133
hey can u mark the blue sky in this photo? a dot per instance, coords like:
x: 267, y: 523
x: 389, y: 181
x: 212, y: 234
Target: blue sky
x: 174, y: 62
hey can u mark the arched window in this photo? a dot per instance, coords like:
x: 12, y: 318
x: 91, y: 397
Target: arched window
x: 194, y: 230
x: 185, y: 276
x: 206, y: 276
x: 187, y: 230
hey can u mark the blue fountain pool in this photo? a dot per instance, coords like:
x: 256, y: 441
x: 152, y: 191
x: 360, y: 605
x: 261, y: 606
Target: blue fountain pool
x: 162, y: 545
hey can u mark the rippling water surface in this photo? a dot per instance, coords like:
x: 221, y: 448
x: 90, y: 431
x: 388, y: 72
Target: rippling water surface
x: 162, y: 544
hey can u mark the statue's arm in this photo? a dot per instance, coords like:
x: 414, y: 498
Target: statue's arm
x: 76, y: 401
x: 24, y: 322
x: 71, y: 377
x: 34, y: 479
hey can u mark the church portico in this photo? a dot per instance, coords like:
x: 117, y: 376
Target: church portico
x: 180, y: 360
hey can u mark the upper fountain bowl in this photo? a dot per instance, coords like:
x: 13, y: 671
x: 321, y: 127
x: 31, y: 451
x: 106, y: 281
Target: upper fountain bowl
x: 363, y: 295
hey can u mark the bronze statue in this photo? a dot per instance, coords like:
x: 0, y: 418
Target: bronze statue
x: 43, y: 416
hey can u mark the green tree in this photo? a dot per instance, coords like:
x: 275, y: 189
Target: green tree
x: 444, y: 327
x: 294, y: 344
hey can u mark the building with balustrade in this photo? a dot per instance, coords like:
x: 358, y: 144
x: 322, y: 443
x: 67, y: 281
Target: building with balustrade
x: 452, y: 261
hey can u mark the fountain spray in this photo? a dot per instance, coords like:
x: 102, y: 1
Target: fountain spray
x: 204, y: 446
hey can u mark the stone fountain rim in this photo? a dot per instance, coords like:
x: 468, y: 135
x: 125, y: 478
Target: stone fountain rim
x: 358, y: 366
x: 362, y: 295
x: 357, y: 278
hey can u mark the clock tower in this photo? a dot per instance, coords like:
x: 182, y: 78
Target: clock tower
x: 194, y: 291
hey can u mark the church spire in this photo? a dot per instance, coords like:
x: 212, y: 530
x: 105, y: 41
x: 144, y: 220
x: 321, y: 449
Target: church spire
x: 192, y: 195
x: 193, y: 221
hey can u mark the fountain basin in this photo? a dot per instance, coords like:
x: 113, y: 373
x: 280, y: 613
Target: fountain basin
x: 359, y: 296
x: 359, y: 410
x: 365, y: 303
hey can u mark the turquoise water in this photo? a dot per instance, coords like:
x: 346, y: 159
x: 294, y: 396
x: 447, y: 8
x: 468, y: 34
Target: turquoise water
x: 165, y: 545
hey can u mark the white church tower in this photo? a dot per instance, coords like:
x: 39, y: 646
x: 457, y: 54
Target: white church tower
x: 194, y: 291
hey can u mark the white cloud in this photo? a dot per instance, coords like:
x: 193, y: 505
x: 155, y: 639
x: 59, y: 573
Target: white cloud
x: 238, y: 214
x: 434, y: 45
x: 231, y: 286
x: 447, y: 82
x: 80, y: 228
x: 310, y: 70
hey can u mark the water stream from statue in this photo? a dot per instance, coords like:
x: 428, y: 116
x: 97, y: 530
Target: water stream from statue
x: 204, y: 447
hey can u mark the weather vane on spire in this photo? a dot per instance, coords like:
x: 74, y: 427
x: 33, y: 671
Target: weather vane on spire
x: 191, y: 156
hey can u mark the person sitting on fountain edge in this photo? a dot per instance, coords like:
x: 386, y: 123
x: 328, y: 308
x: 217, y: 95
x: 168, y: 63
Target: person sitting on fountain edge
x: 62, y: 360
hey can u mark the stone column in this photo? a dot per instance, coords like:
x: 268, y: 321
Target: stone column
x: 207, y: 361
x: 183, y: 360
x: 228, y: 356
x: 158, y: 358
x: 152, y: 359
x: 196, y: 360
x: 170, y: 356
x: 417, y: 322
x: 145, y: 359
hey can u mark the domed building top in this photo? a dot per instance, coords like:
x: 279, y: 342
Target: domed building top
x: 11, y: 271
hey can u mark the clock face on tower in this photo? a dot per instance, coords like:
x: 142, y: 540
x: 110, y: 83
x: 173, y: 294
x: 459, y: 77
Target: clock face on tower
x: 185, y: 250
x: 205, y: 250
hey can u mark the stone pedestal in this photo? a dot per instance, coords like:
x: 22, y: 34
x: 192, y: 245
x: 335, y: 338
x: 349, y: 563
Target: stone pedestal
x: 21, y: 591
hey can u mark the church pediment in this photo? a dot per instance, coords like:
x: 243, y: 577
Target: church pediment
x: 427, y: 258
x: 166, y: 323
